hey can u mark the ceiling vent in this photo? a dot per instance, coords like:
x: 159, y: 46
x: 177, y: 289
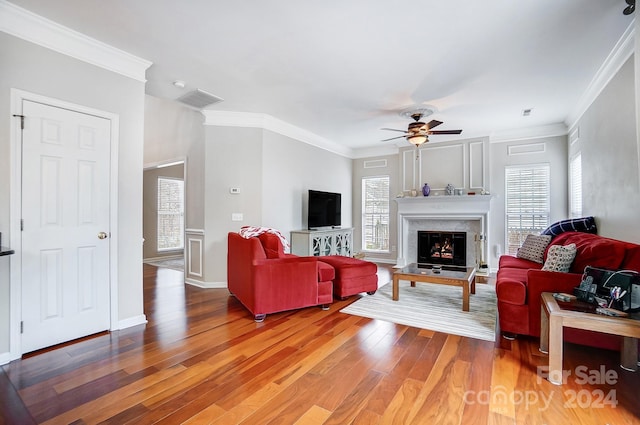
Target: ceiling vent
x: 199, y: 99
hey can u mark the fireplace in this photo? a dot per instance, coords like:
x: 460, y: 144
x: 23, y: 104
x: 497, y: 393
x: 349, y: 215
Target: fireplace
x: 442, y: 248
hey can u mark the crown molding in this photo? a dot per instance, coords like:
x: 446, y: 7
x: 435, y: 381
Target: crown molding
x: 622, y: 51
x: 267, y: 122
x: 376, y: 151
x: 529, y: 133
x: 28, y: 26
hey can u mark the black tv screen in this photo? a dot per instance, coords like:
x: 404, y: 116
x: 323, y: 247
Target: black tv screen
x: 324, y: 209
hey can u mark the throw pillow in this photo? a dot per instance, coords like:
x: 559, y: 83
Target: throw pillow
x: 584, y: 224
x: 560, y: 257
x: 533, y: 248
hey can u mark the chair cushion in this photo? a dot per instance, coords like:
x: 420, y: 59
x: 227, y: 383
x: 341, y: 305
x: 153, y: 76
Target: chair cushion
x: 514, y: 274
x: 347, y: 267
x: 509, y: 261
x: 592, y: 250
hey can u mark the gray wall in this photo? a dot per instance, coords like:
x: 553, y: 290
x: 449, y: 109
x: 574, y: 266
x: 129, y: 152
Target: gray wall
x: 41, y: 71
x: 289, y: 169
x: 273, y: 173
x: 174, y: 131
x: 150, y: 209
x: 609, y: 147
x: 233, y: 159
x: 554, y: 153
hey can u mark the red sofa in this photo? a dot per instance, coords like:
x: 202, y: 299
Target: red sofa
x: 265, y: 280
x: 520, y: 282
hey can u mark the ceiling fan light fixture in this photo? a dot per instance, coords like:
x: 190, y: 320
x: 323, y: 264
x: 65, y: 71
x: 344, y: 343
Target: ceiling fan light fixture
x: 630, y: 8
x: 417, y: 139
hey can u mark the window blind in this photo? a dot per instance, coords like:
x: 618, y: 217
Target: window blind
x: 527, y: 198
x: 375, y: 213
x: 170, y: 232
x: 575, y: 186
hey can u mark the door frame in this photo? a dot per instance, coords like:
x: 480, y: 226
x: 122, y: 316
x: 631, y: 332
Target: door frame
x: 165, y: 163
x: 15, y: 211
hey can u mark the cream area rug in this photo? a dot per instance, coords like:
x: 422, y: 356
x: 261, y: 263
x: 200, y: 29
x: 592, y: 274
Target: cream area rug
x: 435, y: 307
x: 175, y: 263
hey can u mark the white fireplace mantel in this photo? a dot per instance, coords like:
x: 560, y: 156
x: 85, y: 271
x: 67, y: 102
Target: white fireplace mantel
x: 458, y: 208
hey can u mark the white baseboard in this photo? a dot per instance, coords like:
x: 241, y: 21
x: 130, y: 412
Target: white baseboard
x: 5, y: 358
x: 380, y: 260
x: 132, y: 321
x: 206, y: 285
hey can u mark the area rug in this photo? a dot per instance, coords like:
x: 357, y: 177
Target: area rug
x: 435, y: 307
x: 175, y: 263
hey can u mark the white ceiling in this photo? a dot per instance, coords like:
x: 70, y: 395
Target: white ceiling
x: 344, y: 69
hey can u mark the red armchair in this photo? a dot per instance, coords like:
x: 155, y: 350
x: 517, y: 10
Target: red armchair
x: 269, y: 285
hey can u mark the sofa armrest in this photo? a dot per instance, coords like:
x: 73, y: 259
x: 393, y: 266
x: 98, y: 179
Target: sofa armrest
x: 539, y: 281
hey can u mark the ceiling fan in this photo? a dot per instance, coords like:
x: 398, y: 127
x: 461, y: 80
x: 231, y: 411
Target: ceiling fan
x: 418, y: 132
x: 630, y: 8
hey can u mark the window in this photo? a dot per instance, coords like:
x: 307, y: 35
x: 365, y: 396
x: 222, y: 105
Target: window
x: 527, y: 203
x: 170, y: 214
x: 575, y: 186
x: 375, y: 213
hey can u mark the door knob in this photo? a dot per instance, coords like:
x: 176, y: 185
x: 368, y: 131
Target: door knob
x: 102, y: 235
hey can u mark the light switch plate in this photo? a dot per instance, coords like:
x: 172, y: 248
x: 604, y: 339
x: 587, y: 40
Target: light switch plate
x: 237, y: 217
x: 234, y: 190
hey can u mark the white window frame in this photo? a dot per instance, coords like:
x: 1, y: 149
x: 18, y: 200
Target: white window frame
x: 380, y: 215
x: 529, y: 209
x: 575, y: 186
x: 160, y: 212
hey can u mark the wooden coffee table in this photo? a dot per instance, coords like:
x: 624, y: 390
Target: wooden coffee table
x: 464, y: 277
x: 553, y: 318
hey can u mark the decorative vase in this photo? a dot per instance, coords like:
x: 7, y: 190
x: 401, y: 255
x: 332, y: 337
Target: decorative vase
x: 426, y: 189
x: 450, y: 189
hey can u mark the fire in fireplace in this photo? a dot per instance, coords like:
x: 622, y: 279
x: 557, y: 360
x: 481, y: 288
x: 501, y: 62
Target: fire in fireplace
x: 442, y: 248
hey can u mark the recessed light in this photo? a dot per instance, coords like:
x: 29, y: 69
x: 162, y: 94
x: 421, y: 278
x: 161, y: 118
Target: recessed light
x: 527, y: 112
x: 180, y: 84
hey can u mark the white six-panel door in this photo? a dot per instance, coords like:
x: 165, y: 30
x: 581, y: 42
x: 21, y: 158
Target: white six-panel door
x: 65, y: 237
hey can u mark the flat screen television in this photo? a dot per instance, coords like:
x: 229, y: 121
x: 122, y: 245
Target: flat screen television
x: 324, y: 209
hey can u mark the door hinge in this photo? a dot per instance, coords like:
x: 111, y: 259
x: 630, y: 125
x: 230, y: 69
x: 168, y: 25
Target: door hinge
x: 21, y: 327
x: 21, y: 120
x: 22, y: 224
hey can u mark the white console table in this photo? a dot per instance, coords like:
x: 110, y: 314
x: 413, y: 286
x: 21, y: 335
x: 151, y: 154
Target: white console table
x: 322, y: 242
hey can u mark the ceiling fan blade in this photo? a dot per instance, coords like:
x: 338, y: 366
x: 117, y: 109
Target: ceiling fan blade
x: 445, y: 132
x: 433, y: 123
x: 393, y: 129
x: 393, y: 138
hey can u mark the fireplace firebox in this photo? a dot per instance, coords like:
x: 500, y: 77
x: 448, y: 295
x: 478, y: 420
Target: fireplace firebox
x: 442, y: 248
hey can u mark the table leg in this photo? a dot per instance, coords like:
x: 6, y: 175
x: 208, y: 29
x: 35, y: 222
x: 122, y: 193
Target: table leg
x: 544, y: 330
x: 555, y: 350
x: 395, y: 288
x: 629, y: 354
x: 473, y: 285
x: 465, y: 296
x: 413, y: 283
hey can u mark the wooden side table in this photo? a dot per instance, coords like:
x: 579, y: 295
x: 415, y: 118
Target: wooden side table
x: 553, y: 319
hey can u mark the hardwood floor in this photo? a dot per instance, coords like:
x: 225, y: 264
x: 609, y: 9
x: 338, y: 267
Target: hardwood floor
x: 202, y: 359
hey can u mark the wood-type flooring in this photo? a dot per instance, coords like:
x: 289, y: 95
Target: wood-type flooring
x: 202, y: 359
